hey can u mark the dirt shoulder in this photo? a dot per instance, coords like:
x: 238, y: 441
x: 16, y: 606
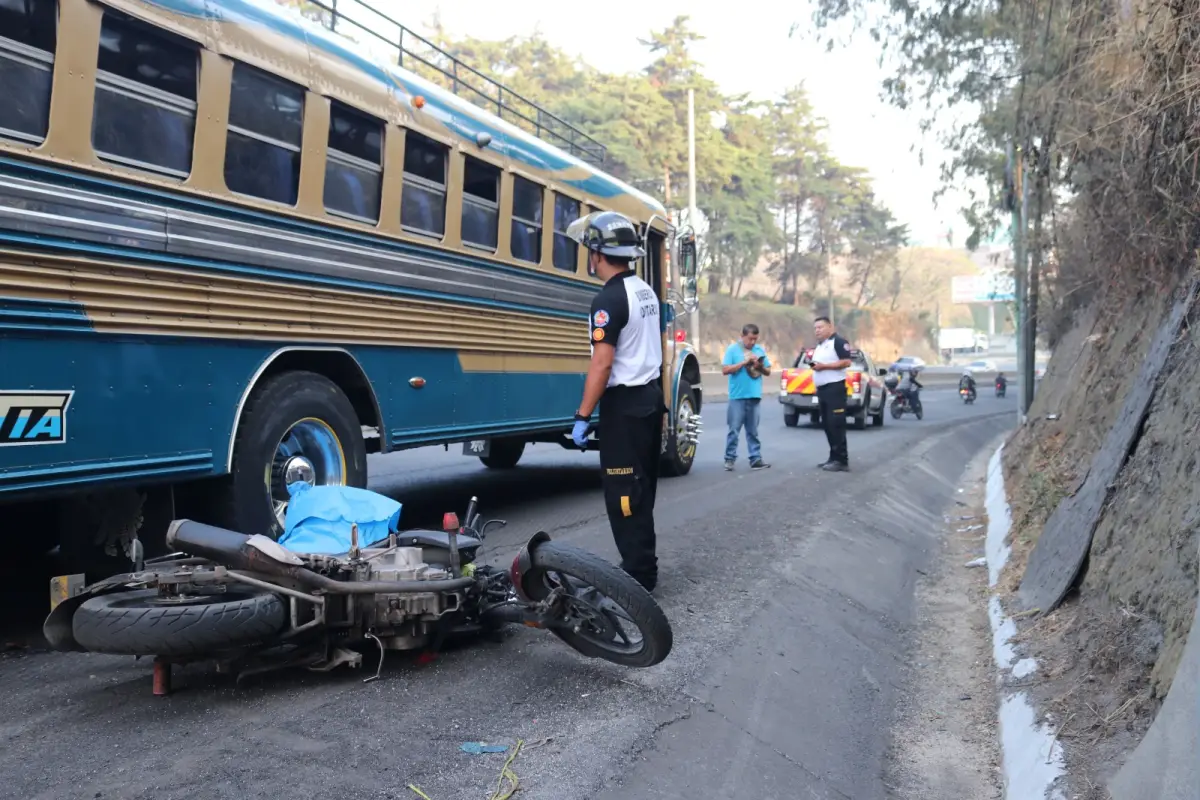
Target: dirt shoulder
x: 945, y: 745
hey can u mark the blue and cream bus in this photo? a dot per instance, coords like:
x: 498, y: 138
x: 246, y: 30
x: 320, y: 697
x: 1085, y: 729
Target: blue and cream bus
x: 237, y: 251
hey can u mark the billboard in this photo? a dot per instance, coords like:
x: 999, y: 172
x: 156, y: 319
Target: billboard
x: 995, y: 286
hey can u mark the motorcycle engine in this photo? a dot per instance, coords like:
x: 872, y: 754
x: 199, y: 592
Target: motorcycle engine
x: 405, y: 614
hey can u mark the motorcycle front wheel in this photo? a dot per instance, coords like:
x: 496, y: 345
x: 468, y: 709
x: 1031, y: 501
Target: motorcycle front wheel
x: 897, y: 411
x: 607, y: 614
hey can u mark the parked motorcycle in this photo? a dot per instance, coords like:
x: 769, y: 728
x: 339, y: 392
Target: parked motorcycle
x: 251, y: 605
x: 901, y: 405
x: 967, y: 394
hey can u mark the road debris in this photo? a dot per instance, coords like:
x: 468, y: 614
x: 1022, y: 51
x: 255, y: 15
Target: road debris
x: 506, y: 774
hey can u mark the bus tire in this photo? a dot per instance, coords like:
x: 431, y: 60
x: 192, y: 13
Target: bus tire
x: 677, y: 459
x: 503, y: 454
x: 302, y: 403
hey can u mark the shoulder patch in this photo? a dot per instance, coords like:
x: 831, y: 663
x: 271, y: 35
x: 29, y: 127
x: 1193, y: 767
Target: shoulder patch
x: 598, y: 334
x: 600, y: 318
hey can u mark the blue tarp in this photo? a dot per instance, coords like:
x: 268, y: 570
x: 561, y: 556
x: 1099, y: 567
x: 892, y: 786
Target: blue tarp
x: 319, y: 518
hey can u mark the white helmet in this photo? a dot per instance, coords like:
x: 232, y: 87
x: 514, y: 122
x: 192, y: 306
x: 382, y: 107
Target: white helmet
x: 967, y: 372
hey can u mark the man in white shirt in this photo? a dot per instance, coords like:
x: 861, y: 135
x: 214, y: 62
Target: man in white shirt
x: 829, y: 361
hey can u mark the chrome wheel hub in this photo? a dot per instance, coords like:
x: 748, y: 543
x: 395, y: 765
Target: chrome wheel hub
x: 688, y: 427
x: 308, y: 453
x: 298, y: 469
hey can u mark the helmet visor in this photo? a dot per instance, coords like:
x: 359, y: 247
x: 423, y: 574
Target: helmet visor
x: 579, y: 227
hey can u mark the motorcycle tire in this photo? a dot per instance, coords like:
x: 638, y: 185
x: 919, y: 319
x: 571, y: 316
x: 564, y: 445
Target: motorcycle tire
x: 897, y: 411
x: 133, y: 624
x: 619, y: 587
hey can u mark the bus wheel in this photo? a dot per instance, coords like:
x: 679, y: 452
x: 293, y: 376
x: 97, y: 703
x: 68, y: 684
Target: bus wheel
x: 296, y: 426
x: 682, y: 435
x: 503, y: 454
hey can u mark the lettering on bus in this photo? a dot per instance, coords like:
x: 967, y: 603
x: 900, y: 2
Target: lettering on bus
x: 33, y: 417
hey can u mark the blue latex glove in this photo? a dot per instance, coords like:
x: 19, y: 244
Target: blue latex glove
x: 579, y: 434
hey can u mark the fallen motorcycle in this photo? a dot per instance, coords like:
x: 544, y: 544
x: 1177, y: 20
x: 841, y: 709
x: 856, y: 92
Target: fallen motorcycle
x: 252, y: 605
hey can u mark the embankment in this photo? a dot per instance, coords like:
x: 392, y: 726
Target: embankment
x: 1113, y: 650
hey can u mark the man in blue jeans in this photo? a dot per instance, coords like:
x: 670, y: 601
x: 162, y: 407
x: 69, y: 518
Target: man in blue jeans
x: 745, y: 363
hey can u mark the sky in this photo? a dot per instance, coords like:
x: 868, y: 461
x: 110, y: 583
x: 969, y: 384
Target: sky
x: 750, y: 51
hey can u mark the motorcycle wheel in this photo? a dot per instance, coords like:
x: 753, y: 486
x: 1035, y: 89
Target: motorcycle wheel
x: 897, y: 411
x: 604, y: 601
x: 141, y: 623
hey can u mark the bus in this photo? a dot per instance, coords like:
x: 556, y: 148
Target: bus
x: 238, y: 250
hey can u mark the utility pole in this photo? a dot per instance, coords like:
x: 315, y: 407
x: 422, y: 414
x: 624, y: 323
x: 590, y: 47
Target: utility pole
x: 829, y: 287
x: 1028, y: 316
x: 694, y: 323
x: 1018, y: 237
x: 937, y: 327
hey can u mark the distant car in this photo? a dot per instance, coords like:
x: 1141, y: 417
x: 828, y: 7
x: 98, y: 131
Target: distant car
x: 983, y: 365
x: 866, y: 396
x: 907, y: 362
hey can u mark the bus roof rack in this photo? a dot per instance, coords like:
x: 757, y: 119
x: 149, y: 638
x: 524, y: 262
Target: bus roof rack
x: 459, y: 77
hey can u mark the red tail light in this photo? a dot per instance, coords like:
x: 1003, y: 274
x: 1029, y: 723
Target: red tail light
x: 855, y: 381
x: 681, y: 335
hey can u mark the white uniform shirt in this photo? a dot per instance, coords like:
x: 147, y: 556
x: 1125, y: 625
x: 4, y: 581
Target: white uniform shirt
x: 625, y: 314
x: 835, y: 348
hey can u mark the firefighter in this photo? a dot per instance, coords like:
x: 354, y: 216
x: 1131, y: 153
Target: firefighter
x: 623, y: 380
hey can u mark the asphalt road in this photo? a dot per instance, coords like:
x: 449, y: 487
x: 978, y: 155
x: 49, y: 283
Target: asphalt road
x: 790, y: 592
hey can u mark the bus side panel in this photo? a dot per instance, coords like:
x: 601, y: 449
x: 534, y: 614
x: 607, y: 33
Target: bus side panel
x: 163, y: 409
x: 140, y: 409
x: 458, y: 402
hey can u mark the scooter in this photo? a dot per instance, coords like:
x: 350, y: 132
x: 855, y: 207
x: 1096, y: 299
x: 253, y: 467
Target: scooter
x: 251, y: 605
x: 1001, y: 388
x: 967, y: 394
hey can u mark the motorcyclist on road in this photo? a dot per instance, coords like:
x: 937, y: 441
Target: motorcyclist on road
x: 910, y: 388
x: 1001, y: 381
x: 967, y: 381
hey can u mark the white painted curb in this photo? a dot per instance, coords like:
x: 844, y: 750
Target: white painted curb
x: 1031, y: 755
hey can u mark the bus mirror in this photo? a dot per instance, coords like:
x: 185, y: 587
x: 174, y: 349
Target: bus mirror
x: 687, y: 260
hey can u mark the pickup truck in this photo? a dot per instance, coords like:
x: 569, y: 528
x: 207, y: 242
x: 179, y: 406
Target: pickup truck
x: 866, y: 396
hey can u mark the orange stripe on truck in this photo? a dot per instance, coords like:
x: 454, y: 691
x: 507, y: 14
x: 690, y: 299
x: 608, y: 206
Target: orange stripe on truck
x: 801, y: 382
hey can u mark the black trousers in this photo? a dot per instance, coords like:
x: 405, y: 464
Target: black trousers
x: 631, y: 426
x: 832, y: 400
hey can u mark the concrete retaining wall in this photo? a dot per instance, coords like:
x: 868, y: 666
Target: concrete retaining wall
x: 1166, y: 765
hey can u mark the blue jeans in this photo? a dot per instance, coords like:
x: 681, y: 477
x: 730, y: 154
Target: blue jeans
x: 739, y: 414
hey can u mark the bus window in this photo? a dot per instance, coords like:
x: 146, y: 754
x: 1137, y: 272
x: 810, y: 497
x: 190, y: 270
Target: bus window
x: 423, y: 200
x: 145, y: 97
x: 354, y: 166
x: 27, y: 39
x: 527, y: 220
x: 481, y: 204
x: 262, y: 150
x: 566, y: 211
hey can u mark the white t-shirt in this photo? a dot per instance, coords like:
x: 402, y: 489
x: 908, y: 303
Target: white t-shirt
x: 833, y: 349
x: 625, y: 314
